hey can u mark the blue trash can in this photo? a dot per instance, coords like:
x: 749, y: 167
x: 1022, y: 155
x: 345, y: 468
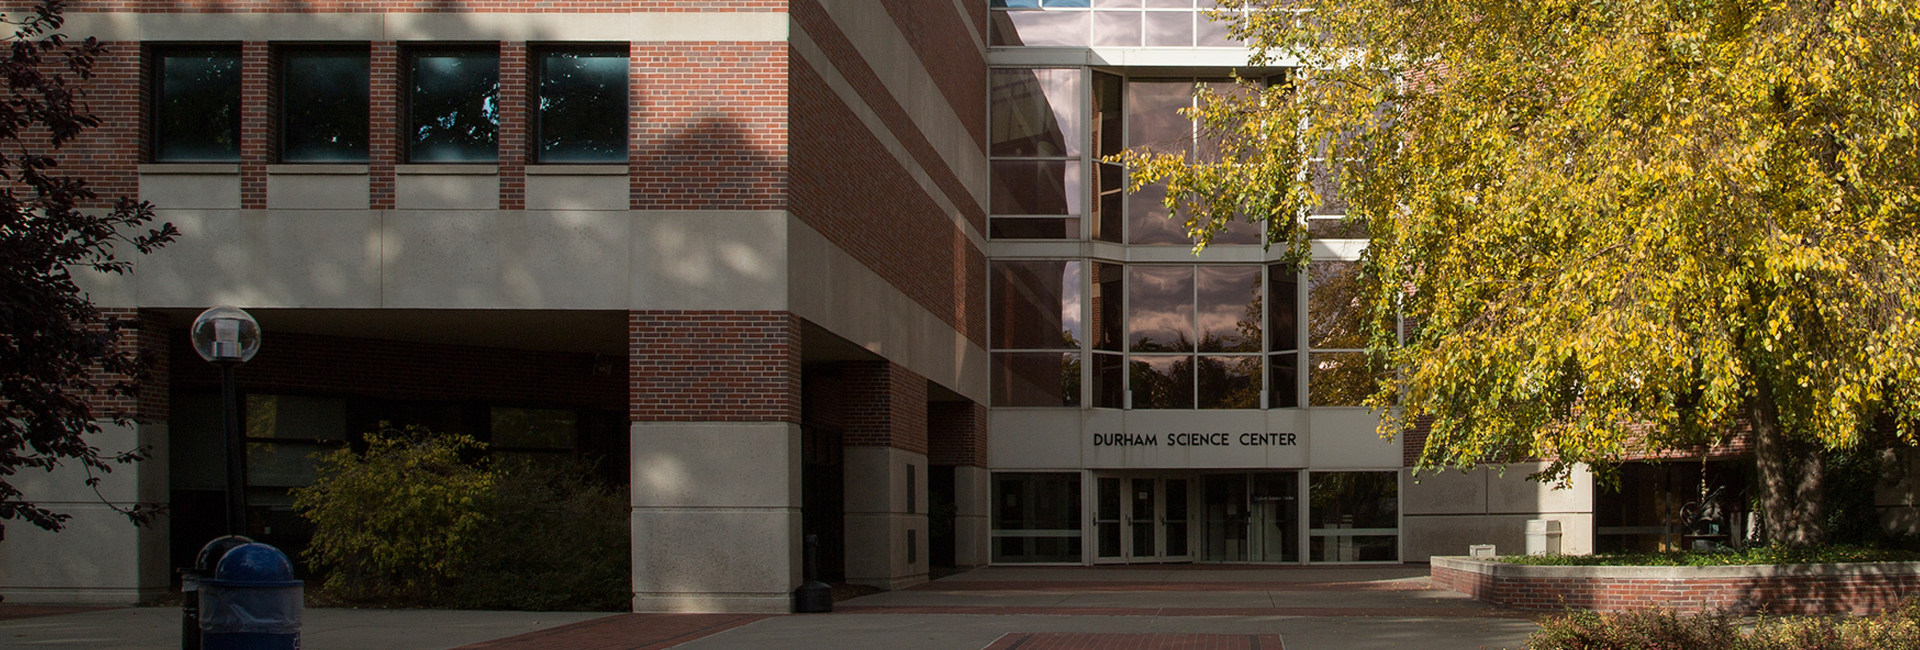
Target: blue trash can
x: 252, y: 602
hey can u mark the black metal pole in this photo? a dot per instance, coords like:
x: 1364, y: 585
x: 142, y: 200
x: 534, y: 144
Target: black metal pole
x: 236, y: 452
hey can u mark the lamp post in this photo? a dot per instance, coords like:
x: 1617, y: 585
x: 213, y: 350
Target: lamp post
x: 229, y: 337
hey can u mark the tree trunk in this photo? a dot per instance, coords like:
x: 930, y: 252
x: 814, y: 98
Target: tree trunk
x: 1791, y: 476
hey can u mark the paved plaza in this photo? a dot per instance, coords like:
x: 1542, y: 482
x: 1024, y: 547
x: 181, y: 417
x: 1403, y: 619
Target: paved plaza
x: 996, y: 608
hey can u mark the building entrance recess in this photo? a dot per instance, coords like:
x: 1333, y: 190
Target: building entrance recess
x: 1238, y: 517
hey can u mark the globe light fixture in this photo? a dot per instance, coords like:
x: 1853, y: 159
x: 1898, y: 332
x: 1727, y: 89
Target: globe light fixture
x: 226, y: 335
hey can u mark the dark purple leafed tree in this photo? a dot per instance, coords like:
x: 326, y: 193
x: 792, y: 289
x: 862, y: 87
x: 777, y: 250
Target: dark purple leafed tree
x: 52, y: 337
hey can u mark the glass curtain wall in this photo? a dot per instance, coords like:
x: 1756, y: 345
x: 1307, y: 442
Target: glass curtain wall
x: 1342, y: 375
x: 1107, y: 23
x: 1037, y: 135
x: 1036, y: 332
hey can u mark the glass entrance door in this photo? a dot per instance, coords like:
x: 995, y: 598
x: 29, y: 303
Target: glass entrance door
x: 1141, y: 519
x: 1252, y: 517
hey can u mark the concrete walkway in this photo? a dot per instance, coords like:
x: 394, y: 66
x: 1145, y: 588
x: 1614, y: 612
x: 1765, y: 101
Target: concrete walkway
x: 1295, y: 608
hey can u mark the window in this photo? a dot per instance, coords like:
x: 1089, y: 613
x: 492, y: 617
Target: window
x: 1036, y: 517
x: 1153, y: 121
x: 581, y: 106
x: 196, y: 113
x: 1355, y: 517
x: 453, y: 106
x: 1036, y: 332
x: 1283, y: 337
x: 324, y: 100
x: 1340, y: 374
x: 1195, y: 337
x: 537, y: 436
x: 1037, y: 137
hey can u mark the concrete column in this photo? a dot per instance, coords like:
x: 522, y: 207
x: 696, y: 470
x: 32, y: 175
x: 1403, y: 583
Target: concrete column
x: 886, y: 474
x: 715, y: 406
x: 99, y: 556
x: 957, y: 436
x: 970, y: 524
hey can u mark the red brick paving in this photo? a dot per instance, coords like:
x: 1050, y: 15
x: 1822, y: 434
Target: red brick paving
x: 1119, y: 585
x: 1135, y: 641
x: 1470, y: 611
x: 12, y: 612
x: 622, y: 632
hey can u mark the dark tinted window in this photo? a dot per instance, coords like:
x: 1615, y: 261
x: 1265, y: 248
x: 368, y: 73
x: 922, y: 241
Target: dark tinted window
x: 582, y: 107
x: 453, y: 106
x: 197, y: 112
x: 324, y: 107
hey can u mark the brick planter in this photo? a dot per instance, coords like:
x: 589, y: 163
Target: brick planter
x: 1860, y: 588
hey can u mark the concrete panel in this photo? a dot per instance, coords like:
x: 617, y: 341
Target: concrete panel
x: 876, y: 549
x: 711, y: 260
x: 97, y: 558
x: 702, y: 464
x: 266, y: 259
x: 558, y: 190
x: 1033, y: 439
x: 876, y: 480
x: 971, y: 528
x: 1425, y: 536
x: 715, y: 559
x: 1447, y: 492
x: 827, y: 286
x: 446, y: 187
x: 184, y: 187
x: 142, y: 481
x: 505, y: 260
x: 318, y: 187
x: 1510, y: 491
x: 1343, y: 438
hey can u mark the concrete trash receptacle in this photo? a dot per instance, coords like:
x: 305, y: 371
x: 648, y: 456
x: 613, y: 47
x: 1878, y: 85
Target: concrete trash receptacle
x: 252, y: 602
x: 1543, y: 537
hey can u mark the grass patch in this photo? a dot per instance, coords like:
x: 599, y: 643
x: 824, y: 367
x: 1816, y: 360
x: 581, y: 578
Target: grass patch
x: 1834, y: 554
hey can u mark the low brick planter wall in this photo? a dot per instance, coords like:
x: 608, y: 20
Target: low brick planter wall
x: 1860, y: 588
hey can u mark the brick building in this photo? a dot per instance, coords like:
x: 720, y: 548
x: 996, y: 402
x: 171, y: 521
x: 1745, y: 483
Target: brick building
x: 841, y: 267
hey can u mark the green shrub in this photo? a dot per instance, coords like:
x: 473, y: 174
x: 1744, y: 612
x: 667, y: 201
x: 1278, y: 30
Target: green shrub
x: 421, y: 520
x: 1780, y: 554
x: 1637, y: 630
x: 1665, y: 630
x: 394, y: 525
x: 559, y: 541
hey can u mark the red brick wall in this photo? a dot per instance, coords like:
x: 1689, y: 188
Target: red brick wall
x: 850, y: 189
x: 846, y: 59
x: 108, y: 156
x: 515, y: 124
x: 709, y: 126
x: 708, y: 366
x: 939, y: 36
x: 957, y: 434
x: 1798, y: 594
x: 387, y: 369
x: 885, y: 405
x: 258, y: 132
x: 143, y: 335
x: 383, y: 124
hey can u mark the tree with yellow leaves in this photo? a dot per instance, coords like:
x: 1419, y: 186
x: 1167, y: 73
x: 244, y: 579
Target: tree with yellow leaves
x: 1619, y: 226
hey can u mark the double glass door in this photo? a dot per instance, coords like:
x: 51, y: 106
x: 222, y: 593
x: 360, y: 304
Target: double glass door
x: 1141, y: 519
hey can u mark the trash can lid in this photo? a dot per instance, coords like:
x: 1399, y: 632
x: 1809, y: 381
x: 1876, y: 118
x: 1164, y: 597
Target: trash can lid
x: 254, y: 565
x: 210, y: 554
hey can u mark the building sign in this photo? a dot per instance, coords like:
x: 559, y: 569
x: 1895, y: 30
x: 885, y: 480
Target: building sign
x: 1195, y: 440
